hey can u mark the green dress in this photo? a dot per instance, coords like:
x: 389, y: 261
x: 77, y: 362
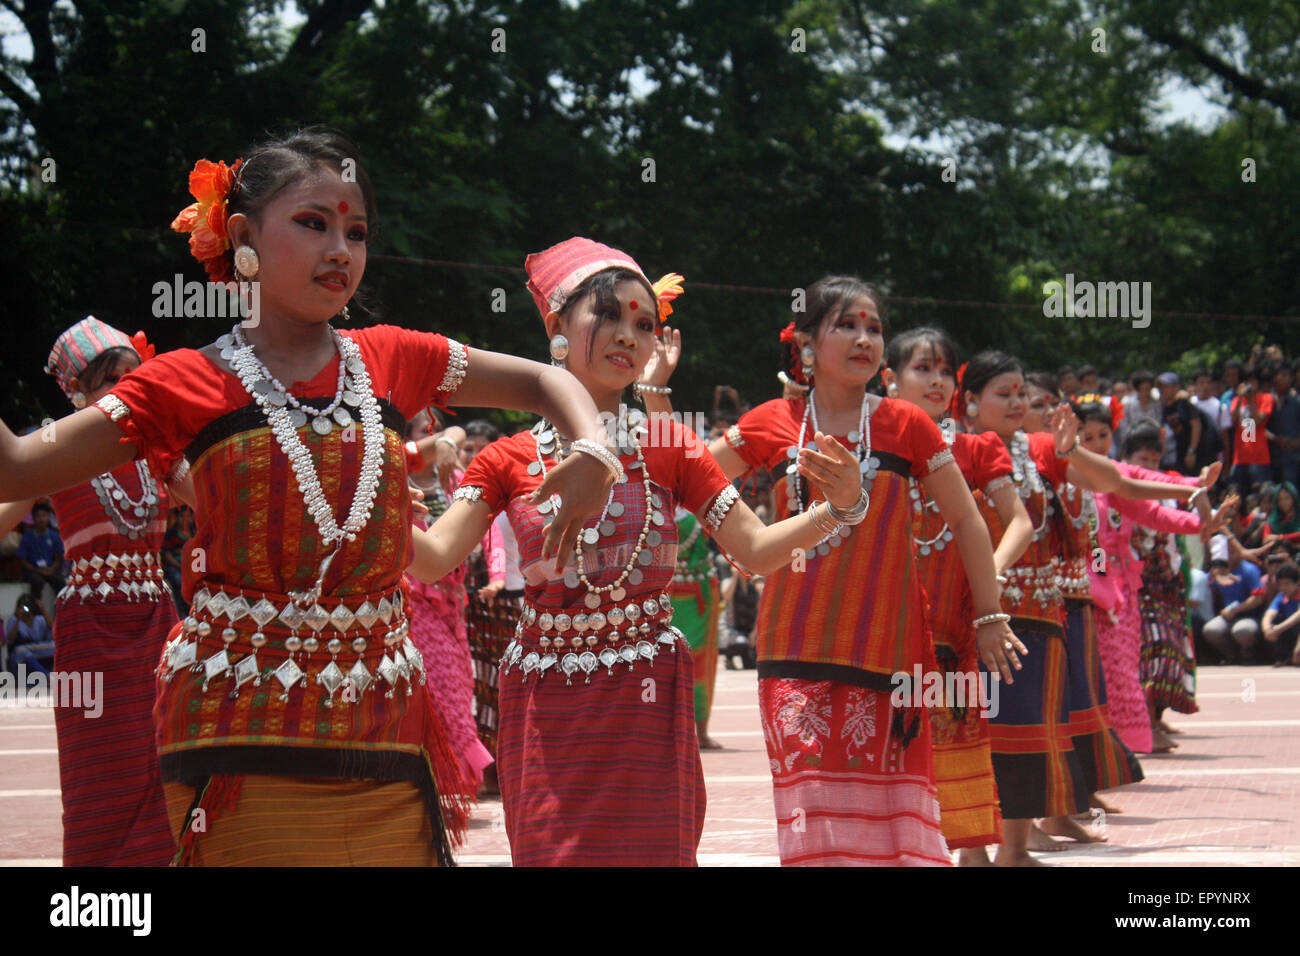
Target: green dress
x: 695, y: 598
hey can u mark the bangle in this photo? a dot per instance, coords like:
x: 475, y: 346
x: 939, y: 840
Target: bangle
x: 999, y: 618
x: 603, y: 455
x: 1072, y: 449
x: 1001, y: 579
x: 853, y: 515
x: 820, y: 516
x: 1195, y: 494
x: 640, y: 389
x: 444, y: 440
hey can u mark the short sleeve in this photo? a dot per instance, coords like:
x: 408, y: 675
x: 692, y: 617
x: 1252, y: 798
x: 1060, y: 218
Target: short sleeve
x: 700, y: 486
x: 763, y: 434
x: 983, y: 459
x: 163, y: 403
x: 1053, y: 468
x: 921, y: 438
x: 415, y: 369
x: 491, y: 477
x: 1276, y: 603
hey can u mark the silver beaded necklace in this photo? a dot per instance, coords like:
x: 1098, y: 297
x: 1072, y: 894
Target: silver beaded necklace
x: 868, y: 464
x: 122, y: 508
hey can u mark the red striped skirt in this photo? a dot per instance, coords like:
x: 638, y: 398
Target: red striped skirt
x: 606, y: 773
x: 848, y: 791
x: 114, y: 813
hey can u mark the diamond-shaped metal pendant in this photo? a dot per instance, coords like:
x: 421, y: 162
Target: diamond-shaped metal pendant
x: 237, y: 609
x: 385, y: 609
x: 403, y: 667
x: 217, y: 604
x: 340, y: 617
x: 316, y: 617
x: 366, y: 615
x: 185, y: 655
x: 288, y: 674
x: 246, y: 670
x: 331, y: 677
x: 263, y: 612
x: 360, y: 677
x: 413, y: 654
x: 292, y: 616
x: 388, y: 670
x: 104, y: 589
x: 201, y: 598
x: 216, y: 665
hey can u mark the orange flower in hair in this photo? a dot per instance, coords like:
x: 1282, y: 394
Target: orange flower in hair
x: 666, y: 289
x: 205, y: 220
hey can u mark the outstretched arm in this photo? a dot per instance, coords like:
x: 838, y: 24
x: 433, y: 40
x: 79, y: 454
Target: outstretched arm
x: 442, y: 548
x: 66, y: 452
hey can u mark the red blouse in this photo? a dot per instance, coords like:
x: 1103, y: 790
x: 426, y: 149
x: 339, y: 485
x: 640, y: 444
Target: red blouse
x: 984, y: 463
x: 855, y: 613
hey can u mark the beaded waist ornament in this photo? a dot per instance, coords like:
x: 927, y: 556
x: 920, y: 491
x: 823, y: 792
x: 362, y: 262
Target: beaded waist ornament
x: 137, y: 577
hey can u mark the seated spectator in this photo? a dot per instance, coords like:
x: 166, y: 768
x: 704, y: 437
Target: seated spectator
x: 28, y: 637
x: 1282, y: 528
x: 1234, y: 631
x: 42, y: 553
x: 1281, y: 622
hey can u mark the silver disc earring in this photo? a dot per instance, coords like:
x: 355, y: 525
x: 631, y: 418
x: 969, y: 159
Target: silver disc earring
x: 246, y: 261
x: 807, y: 355
x: 559, y: 350
x: 79, y: 399
x: 893, y: 390
x: 972, y: 409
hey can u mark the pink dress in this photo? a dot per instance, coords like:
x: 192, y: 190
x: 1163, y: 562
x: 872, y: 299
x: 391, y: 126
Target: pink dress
x: 437, y: 615
x: 1119, y: 629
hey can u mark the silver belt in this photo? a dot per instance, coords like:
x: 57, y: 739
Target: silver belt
x: 135, y: 576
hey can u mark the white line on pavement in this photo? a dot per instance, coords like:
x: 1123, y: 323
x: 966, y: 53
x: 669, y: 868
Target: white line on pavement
x: 28, y: 793
x: 21, y: 753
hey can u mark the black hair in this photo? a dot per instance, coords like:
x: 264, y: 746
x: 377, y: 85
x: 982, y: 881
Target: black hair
x: 482, y: 428
x: 1232, y: 363
x: 1264, y: 373
x: 900, y: 349
x: 1201, y: 372
x: 1046, y: 381
x: 1065, y: 370
x: 1092, y: 412
x: 42, y: 506
x: 1274, y: 557
x: 602, y: 287
x: 1287, y: 572
x: 273, y: 164
x: 1141, y: 377
x: 1086, y: 370
x: 985, y: 367
x: 1144, y: 435
x: 97, y: 369
x: 829, y: 298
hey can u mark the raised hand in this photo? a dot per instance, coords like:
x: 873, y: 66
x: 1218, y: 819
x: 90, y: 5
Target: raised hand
x: 834, y: 469
x: 1065, y: 432
x: 667, y: 353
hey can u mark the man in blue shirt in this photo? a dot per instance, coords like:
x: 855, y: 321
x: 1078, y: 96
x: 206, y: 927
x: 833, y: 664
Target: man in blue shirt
x: 1234, y: 631
x: 1281, y: 622
x: 41, y: 552
x: 27, y: 635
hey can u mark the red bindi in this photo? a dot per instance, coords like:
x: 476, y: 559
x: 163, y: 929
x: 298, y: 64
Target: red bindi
x: 862, y: 314
x: 343, y: 207
x: 633, y: 305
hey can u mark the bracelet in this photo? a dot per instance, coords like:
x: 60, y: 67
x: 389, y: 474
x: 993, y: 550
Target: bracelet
x: 1001, y: 579
x: 444, y: 440
x: 999, y: 618
x: 820, y: 516
x: 1072, y: 449
x: 1195, y: 494
x: 639, y: 389
x: 603, y: 455
x: 855, y: 514
x: 414, y: 459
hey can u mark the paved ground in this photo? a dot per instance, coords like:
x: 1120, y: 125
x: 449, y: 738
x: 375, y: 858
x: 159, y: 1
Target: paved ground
x: 1230, y: 795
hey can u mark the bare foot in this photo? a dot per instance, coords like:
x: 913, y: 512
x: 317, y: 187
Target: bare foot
x: 1065, y: 827
x: 1040, y: 842
x: 974, y: 856
x: 1166, y: 728
x: 1160, y: 742
x: 1096, y: 801
x: 708, y: 743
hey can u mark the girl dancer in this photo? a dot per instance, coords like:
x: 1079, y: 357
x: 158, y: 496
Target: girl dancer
x: 288, y: 730
x: 114, y: 615
x: 598, y: 759
x: 841, y: 629
x: 922, y: 366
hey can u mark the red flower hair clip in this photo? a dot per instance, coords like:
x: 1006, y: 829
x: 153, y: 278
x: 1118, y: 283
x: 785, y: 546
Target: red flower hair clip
x: 666, y: 289
x: 205, y: 220
x: 957, y: 407
x: 142, y: 347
